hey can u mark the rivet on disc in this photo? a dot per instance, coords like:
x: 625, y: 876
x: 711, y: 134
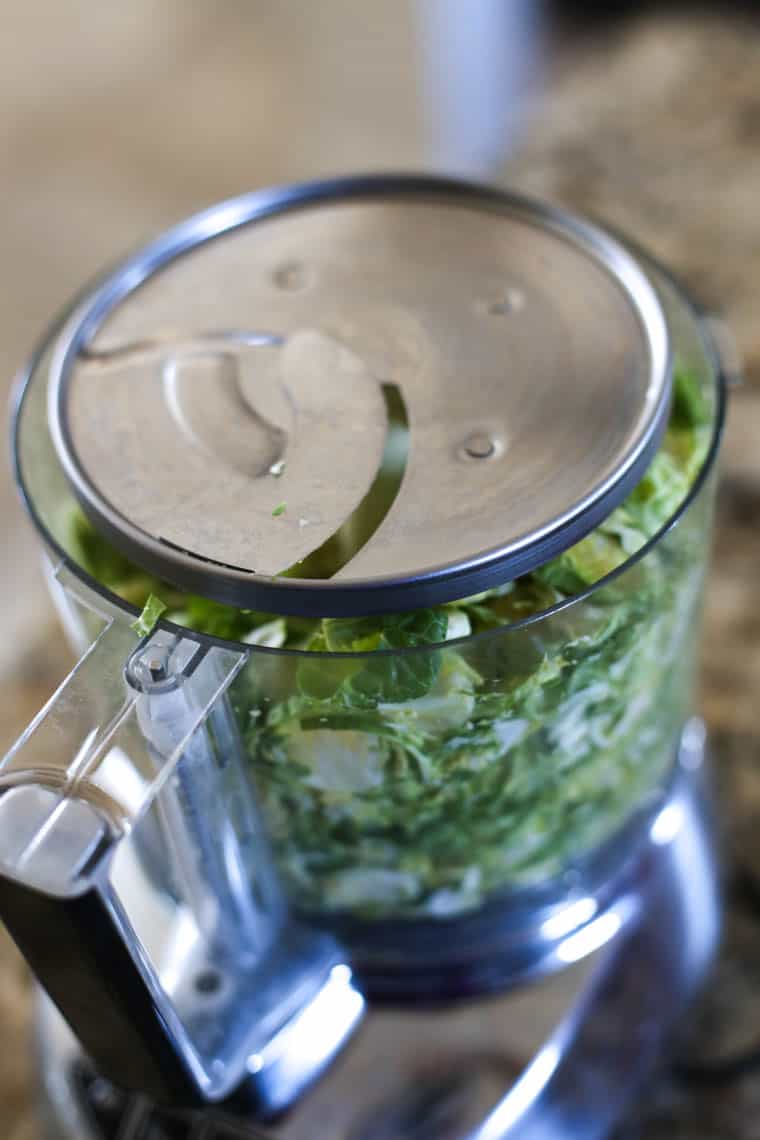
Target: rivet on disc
x: 511, y: 301
x: 479, y: 446
x: 291, y: 276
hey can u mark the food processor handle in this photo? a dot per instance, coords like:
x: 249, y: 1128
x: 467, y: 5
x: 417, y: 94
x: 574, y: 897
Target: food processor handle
x: 136, y: 879
x: 79, y: 957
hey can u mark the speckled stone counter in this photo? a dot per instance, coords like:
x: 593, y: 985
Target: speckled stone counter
x: 652, y: 123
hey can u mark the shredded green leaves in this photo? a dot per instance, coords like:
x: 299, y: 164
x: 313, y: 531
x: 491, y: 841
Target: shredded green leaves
x: 151, y: 612
x: 400, y: 784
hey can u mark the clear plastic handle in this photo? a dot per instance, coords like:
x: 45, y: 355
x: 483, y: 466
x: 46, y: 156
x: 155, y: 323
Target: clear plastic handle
x: 136, y: 878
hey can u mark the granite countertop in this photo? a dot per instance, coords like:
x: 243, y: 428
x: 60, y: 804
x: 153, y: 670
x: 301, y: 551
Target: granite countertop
x: 654, y: 125
x: 652, y: 122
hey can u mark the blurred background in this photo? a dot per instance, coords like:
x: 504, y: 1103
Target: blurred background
x: 117, y: 120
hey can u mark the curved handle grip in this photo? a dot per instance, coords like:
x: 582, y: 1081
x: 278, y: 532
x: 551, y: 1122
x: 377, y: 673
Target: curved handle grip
x: 136, y: 878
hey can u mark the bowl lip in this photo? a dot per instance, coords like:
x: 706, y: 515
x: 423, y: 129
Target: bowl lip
x: 48, y: 339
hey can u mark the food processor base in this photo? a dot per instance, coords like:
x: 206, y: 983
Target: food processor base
x: 557, y: 1059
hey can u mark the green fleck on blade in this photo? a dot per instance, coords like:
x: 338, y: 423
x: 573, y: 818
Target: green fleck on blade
x: 279, y: 510
x: 152, y: 611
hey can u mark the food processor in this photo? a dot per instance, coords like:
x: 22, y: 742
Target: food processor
x: 378, y: 511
